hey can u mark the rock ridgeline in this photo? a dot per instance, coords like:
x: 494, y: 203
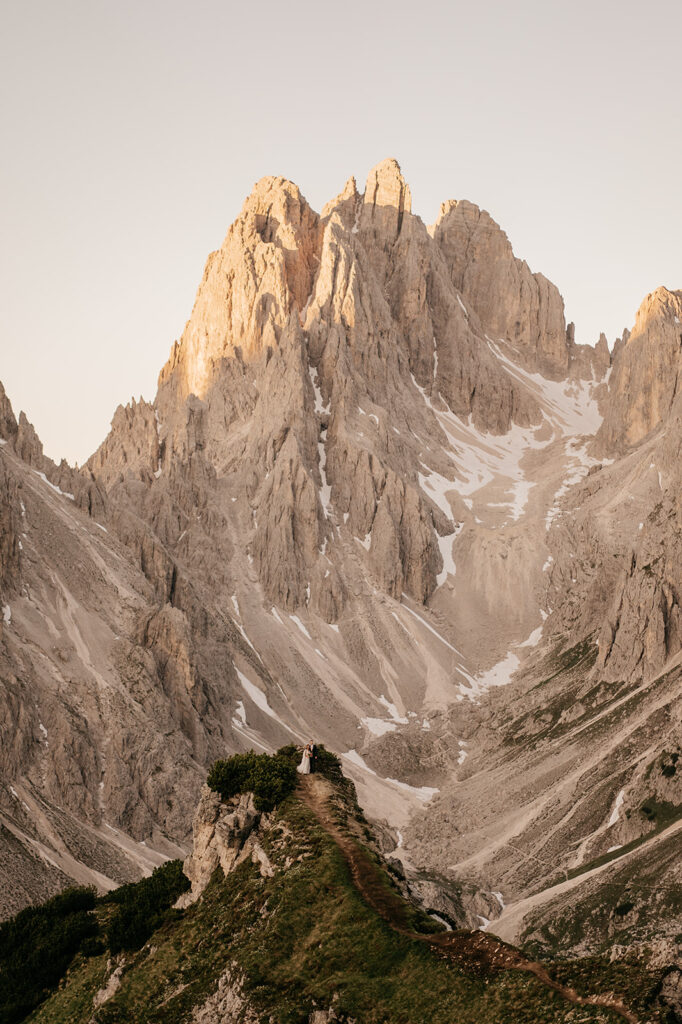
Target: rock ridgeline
x: 301, y: 374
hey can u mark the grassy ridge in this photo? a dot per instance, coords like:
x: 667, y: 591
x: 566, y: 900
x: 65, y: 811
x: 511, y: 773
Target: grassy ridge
x: 299, y: 941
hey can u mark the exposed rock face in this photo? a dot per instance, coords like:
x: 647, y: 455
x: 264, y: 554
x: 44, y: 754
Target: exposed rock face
x: 8, y: 424
x: 131, y: 447
x: 299, y: 323
x: 250, y: 286
x: 226, y: 1005
x: 512, y: 303
x: 646, y: 367
x: 225, y: 834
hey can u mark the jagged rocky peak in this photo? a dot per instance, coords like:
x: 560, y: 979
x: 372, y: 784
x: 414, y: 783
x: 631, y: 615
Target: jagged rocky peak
x: 387, y: 197
x: 250, y: 286
x: 512, y: 303
x: 132, y: 445
x: 302, y: 326
x: 646, y: 367
x: 8, y: 423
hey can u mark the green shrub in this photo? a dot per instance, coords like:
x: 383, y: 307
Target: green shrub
x: 269, y: 778
x: 144, y: 906
x: 37, y: 946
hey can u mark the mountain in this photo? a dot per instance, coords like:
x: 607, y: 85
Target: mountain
x: 382, y: 500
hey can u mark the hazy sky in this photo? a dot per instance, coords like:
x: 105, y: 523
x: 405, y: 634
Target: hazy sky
x: 132, y: 133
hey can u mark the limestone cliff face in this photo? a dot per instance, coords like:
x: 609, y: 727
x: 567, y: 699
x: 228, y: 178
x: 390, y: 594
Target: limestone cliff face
x: 225, y: 833
x: 512, y: 303
x: 132, y: 446
x: 264, y: 268
x: 646, y: 368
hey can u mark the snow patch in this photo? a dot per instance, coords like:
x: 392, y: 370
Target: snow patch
x: 325, y: 489
x: 392, y: 710
x: 499, y: 675
x: 320, y: 407
x: 422, y: 793
x: 240, y: 714
x: 378, y: 726
x: 359, y: 762
x: 445, y: 545
x: 295, y: 619
x: 615, y: 814
x: 54, y: 487
x: 534, y: 638
x: 257, y: 696
x: 6, y: 614
x: 437, y: 487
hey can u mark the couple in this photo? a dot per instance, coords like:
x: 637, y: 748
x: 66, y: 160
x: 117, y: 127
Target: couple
x: 307, y: 764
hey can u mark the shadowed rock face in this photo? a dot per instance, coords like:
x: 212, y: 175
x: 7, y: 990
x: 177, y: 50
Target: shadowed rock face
x: 374, y: 485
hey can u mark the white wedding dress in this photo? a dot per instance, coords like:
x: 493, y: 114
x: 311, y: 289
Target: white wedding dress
x: 304, y: 766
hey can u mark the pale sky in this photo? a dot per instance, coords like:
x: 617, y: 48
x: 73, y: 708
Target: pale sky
x: 132, y: 133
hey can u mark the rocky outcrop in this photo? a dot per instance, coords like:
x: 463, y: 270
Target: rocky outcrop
x: 10, y: 541
x: 360, y: 304
x: 226, y: 1005
x: 225, y: 835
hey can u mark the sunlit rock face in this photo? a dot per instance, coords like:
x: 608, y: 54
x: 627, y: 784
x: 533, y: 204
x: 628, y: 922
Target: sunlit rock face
x: 647, y: 365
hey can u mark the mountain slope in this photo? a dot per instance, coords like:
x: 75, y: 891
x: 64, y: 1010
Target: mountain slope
x: 381, y: 499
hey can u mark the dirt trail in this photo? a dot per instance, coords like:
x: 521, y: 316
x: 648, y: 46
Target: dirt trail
x: 476, y: 951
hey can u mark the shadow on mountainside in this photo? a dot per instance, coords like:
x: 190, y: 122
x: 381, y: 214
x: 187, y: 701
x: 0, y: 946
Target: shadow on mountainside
x: 476, y: 951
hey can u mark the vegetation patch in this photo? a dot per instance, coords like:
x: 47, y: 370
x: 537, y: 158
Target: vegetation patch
x: 142, y: 907
x: 660, y: 812
x: 37, y: 946
x: 271, y: 778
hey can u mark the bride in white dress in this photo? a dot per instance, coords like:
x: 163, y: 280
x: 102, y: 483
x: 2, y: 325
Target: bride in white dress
x: 304, y: 766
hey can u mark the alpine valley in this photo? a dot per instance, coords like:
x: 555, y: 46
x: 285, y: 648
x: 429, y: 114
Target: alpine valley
x: 383, y: 501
